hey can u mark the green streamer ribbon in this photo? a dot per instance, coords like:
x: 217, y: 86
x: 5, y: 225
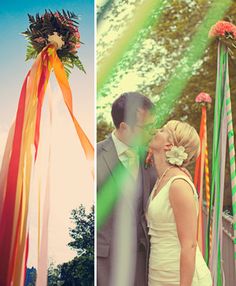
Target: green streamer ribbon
x: 223, y: 126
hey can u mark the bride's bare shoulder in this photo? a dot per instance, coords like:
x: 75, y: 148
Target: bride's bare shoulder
x: 181, y: 192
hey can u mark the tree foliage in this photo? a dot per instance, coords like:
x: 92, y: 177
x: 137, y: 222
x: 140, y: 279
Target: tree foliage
x: 80, y: 270
x: 83, y: 233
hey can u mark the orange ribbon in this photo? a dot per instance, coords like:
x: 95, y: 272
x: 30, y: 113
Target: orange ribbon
x: 15, y: 175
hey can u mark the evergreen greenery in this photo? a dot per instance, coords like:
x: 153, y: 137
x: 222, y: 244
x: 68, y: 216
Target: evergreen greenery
x: 65, y: 24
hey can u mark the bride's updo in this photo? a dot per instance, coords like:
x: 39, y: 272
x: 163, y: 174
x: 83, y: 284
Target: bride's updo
x: 183, y: 134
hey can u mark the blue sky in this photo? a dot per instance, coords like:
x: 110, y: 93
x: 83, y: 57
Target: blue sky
x: 13, y: 21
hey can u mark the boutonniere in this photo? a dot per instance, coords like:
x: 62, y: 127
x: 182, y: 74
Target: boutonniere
x: 149, y: 160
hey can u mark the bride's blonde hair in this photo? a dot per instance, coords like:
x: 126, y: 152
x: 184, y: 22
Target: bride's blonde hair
x: 183, y: 134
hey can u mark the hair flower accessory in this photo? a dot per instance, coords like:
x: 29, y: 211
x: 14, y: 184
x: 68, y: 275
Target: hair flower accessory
x: 176, y: 155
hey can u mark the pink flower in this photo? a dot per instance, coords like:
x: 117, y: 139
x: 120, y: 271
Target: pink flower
x: 73, y: 28
x: 57, y: 15
x: 77, y: 35
x: 40, y: 40
x: 221, y: 28
x: 73, y: 50
x: 76, y: 29
x: 203, y: 97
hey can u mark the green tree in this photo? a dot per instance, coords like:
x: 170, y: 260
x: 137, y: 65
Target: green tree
x: 80, y: 270
x: 83, y: 233
x: 103, y: 129
x: 54, y: 275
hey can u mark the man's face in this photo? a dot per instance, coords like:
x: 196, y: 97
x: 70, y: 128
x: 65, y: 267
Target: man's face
x: 141, y: 133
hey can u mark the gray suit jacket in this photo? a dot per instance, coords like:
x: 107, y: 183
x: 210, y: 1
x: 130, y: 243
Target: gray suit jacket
x: 107, y: 161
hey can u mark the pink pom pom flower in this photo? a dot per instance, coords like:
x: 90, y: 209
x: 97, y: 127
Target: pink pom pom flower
x: 223, y: 29
x: 203, y: 97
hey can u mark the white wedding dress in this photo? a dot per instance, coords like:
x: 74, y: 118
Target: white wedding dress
x: 164, y: 261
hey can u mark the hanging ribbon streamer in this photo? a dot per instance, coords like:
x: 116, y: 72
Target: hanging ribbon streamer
x: 208, y: 197
x: 43, y: 169
x: 16, y: 187
x: 202, y: 165
x: 230, y: 130
x: 199, y: 183
x: 218, y: 168
x: 223, y: 126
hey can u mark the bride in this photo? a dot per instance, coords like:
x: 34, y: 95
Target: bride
x: 175, y: 258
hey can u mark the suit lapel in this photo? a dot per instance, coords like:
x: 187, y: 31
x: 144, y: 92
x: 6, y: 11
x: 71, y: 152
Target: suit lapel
x: 113, y: 162
x: 116, y: 168
x: 111, y: 158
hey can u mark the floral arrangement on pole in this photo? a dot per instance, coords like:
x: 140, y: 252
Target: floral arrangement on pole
x: 225, y: 32
x: 203, y: 99
x: 202, y: 102
x: 60, y: 29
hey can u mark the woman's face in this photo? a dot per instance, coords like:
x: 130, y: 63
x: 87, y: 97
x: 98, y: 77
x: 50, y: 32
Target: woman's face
x: 160, y: 141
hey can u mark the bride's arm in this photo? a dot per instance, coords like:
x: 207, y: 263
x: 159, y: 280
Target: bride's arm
x: 184, y: 208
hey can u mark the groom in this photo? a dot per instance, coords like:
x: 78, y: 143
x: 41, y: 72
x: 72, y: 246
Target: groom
x: 125, y: 229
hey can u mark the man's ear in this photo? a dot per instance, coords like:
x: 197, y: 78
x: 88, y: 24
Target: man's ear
x: 168, y: 146
x: 123, y: 126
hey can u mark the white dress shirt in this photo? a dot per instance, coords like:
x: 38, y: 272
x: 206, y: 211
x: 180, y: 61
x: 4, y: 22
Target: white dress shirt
x: 121, y: 149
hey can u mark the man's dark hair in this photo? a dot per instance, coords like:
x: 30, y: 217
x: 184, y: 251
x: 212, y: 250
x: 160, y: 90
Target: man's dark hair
x: 124, y: 108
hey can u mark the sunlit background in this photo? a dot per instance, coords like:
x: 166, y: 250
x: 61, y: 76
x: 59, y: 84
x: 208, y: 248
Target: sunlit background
x: 161, y: 49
